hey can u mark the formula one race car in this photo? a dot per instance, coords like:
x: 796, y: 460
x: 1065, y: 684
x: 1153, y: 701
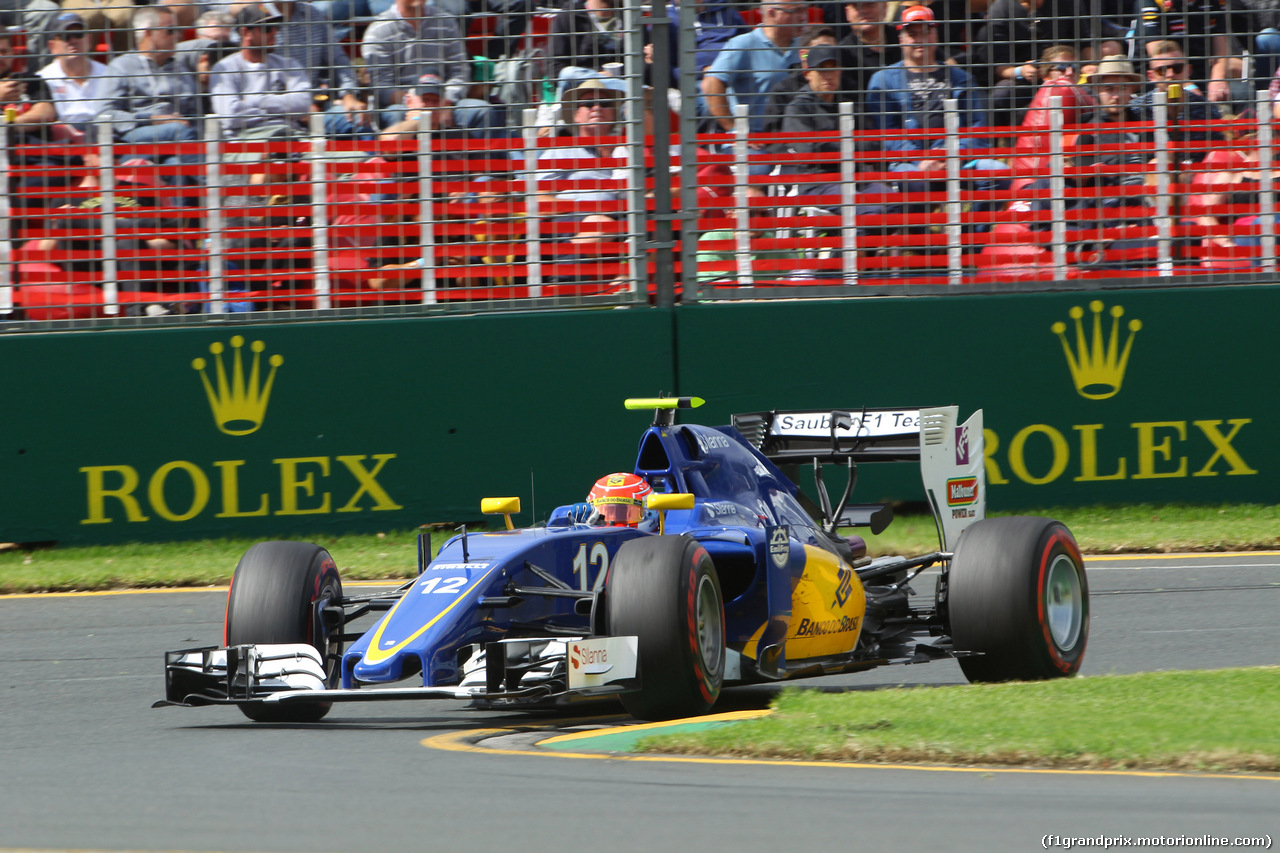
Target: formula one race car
x: 735, y: 576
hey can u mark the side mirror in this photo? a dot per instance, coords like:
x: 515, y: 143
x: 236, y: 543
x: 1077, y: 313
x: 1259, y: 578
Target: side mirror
x: 664, y: 502
x: 501, y: 506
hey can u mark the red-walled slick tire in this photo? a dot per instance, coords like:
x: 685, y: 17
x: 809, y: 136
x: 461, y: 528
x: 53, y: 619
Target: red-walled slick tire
x: 664, y: 590
x: 275, y: 597
x: 1017, y: 593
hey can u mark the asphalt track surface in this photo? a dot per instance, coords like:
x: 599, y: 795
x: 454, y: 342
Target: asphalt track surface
x: 86, y: 763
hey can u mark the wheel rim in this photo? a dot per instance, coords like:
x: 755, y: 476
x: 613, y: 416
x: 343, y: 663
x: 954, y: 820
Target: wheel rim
x: 707, y: 619
x: 1064, y: 602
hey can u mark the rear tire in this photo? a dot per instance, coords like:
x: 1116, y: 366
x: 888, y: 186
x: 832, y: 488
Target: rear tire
x: 273, y: 599
x: 1017, y: 593
x: 664, y: 590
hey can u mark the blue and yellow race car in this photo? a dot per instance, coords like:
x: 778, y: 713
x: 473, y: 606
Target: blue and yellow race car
x: 734, y: 575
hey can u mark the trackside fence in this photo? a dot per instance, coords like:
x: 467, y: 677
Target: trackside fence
x: 518, y: 206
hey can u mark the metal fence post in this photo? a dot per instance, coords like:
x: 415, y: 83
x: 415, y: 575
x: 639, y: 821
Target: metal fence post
x: 848, y: 196
x: 689, y: 213
x: 1164, y: 221
x: 741, y: 200
x: 1057, y: 189
x: 955, y: 251
x: 215, y: 243
x: 533, y: 257
x: 637, y: 236
x: 107, y: 187
x: 426, y: 209
x: 6, y: 235
x: 322, y: 280
x: 1266, y: 183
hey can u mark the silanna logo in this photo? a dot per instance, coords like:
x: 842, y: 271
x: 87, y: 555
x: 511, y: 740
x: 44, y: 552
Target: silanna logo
x: 1097, y: 363
x: 239, y: 405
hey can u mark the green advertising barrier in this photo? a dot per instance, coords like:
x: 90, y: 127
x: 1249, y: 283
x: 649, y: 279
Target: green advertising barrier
x: 294, y: 428
x: 1119, y: 396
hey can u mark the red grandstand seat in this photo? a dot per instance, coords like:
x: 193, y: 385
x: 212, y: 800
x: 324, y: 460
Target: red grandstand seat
x: 55, y: 301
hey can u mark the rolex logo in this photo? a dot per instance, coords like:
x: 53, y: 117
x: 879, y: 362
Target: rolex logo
x: 1097, y: 363
x: 238, y: 405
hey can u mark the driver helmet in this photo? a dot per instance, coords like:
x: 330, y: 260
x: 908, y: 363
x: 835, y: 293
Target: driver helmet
x: 618, y: 500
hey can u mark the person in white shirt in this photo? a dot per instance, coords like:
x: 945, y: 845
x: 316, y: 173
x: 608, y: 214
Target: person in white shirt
x: 78, y: 88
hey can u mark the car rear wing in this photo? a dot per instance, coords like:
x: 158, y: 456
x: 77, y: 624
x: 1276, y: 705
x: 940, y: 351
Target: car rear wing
x: 950, y: 454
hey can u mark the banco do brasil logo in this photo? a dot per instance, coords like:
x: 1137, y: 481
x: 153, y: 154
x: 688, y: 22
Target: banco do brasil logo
x: 239, y: 405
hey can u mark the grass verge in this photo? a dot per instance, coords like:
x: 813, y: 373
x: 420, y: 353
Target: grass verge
x: 1219, y: 720
x: 1131, y: 528
x: 1099, y: 530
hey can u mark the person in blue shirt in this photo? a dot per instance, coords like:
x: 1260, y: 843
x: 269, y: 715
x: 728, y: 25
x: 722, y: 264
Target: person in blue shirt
x: 749, y: 65
x: 911, y: 95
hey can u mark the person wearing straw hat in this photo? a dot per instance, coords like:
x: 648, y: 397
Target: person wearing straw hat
x: 590, y: 115
x: 1114, y: 84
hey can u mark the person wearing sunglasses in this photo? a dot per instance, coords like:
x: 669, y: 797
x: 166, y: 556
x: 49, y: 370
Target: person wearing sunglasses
x: 76, y: 85
x: 1169, y: 71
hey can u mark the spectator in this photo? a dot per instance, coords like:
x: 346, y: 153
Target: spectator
x: 212, y: 28
x: 593, y: 259
x: 513, y: 19
x: 412, y: 38
x: 150, y: 235
x: 1077, y: 105
x: 1266, y: 41
x: 814, y: 110
x: 307, y: 36
x: 1114, y: 85
x: 1167, y: 66
x: 1018, y: 32
x: 871, y: 45
x: 1202, y: 28
x: 750, y: 65
x: 585, y: 34
x: 79, y: 88
x: 426, y: 97
x: 590, y: 114
x: 781, y: 94
x: 1010, y: 99
x: 156, y: 101
x: 715, y: 22
x: 14, y: 88
x: 1104, y: 146
x: 910, y: 95
x: 111, y: 19
x: 258, y: 94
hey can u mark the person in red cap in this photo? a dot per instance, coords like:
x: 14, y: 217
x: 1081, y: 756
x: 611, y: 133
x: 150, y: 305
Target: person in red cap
x: 911, y: 95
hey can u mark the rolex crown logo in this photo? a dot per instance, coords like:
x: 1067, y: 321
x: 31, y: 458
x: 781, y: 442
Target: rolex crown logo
x: 239, y: 405
x: 1097, y: 363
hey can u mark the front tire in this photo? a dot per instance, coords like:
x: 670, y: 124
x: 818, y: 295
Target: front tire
x: 275, y: 597
x: 1017, y: 593
x: 664, y: 590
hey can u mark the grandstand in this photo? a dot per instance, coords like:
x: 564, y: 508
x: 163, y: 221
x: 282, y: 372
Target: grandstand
x: 497, y: 208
